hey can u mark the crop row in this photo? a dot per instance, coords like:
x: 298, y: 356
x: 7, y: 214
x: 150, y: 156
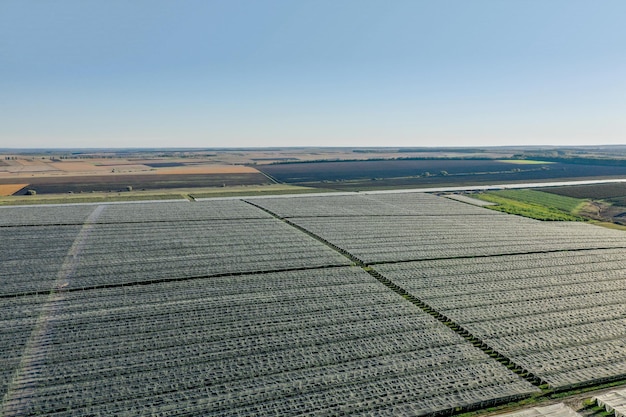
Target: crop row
x: 350, y: 393
x: 574, y: 365
x: 473, y: 298
x: 388, y: 239
x: 528, y: 280
x: 406, y: 204
x: 180, y: 212
x: 564, y: 328
x: 110, y: 254
x: 34, y: 255
x: 225, y: 294
x: 44, y: 215
x: 129, y: 213
x: 321, y: 341
x: 12, y: 351
x: 540, y: 307
x: 581, y: 332
x: 320, y: 338
x: 443, y: 272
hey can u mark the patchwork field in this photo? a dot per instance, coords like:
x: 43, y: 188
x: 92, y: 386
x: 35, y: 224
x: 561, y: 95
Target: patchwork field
x: 390, y: 304
x: 330, y: 169
x: 120, y: 181
x: 614, y: 193
x: 407, y: 173
x: 52, y: 176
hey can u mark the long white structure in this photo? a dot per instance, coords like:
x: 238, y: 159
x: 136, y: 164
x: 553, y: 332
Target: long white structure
x: 613, y: 401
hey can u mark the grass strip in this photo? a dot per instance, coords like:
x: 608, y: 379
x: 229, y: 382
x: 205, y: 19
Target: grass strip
x: 532, y: 204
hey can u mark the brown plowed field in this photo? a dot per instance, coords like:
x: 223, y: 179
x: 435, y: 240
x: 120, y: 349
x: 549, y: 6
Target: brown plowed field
x: 45, y: 167
x: 208, y: 169
x: 10, y: 189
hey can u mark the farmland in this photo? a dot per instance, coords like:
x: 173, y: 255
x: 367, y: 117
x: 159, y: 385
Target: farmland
x: 613, y: 193
x: 563, y: 203
x: 393, y: 304
x: 9, y: 189
x: 85, y: 184
x: 535, y: 204
x: 205, y: 171
x: 406, y: 173
x: 604, y: 202
x: 97, y: 173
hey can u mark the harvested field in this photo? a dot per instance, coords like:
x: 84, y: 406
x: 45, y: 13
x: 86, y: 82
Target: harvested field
x: 78, y: 166
x: 116, y: 182
x: 208, y: 169
x: 25, y: 167
x: 364, y: 175
x: 53, y: 177
x: 355, y: 170
x: 614, y: 193
x: 10, y: 189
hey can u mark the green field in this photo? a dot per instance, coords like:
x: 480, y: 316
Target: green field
x: 568, y: 204
x: 614, y: 193
x: 535, y: 204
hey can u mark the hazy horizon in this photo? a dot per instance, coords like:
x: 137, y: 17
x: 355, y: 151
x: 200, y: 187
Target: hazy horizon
x: 243, y: 74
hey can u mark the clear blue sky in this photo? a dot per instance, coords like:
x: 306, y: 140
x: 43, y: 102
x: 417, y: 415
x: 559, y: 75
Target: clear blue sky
x: 211, y: 73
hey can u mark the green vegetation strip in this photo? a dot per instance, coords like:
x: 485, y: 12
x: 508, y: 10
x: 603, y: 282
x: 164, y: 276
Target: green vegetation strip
x: 560, y: 202
x: 534, y: 204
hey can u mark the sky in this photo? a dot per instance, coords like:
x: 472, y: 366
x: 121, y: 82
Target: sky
x: 357, y: 73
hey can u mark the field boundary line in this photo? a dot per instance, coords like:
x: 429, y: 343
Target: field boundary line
x: 269, y: 177
x: 336, y: 248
